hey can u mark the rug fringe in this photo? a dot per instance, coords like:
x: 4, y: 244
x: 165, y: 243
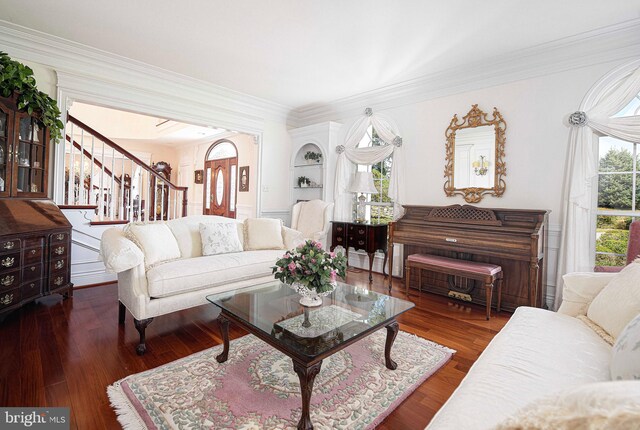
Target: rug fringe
x: 431, y: 343
x: 127, y: 416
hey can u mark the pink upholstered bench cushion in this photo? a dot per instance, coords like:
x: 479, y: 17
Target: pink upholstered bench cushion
x: 452, y: 263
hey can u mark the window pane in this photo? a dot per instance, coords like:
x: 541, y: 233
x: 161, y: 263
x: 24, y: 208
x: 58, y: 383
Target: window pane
x: 381, y: 214
x: 612, y: 236
x: 223, y: 150
x: 615, y: 155
x: 615, y: 191
x: 633, y: 108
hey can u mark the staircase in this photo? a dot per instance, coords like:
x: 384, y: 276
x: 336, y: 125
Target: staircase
x: 114, y: 183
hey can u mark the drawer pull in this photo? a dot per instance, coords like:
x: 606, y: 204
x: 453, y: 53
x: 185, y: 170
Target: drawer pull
x: 59, y: 250
x: 32, y: 285
x: 9, y: 245
x: 59, y: 264
x: 361, y: 242
x: 339, y: 239
x: 7, y: 280
x: 58, y: 281
x: 7, y: 299
x: 60, y: 236
x: 33, y: 252
x: 361, y: 231
x: 8, y: 262
x: 450, y: 239
x: 32, y: 268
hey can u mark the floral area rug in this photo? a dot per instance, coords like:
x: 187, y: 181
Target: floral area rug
x: 256, y: 388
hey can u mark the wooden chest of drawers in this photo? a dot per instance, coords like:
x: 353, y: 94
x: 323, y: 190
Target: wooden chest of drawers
x: 35, y: 241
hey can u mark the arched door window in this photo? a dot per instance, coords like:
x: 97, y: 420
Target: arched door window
x: 220, y: 185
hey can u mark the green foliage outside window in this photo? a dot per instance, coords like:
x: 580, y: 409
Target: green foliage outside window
x: 615, y: 191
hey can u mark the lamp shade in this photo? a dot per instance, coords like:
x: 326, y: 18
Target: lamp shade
x: 363, y: 183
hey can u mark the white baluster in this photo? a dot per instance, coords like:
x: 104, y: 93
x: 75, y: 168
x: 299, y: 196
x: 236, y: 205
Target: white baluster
x: 131, y: 192
x: 121, y: 203
x: 81, y: 182
x: 101, y: 193
x: 93, y: 160
x: 111, y: 200
x: 72, y: 173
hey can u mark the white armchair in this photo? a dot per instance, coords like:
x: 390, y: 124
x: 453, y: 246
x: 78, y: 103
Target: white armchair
x: 313, y: 219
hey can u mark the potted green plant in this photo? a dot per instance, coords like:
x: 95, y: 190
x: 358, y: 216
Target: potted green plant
x: 17, y: 80
x: 303, y: 181
x: 313, y: 157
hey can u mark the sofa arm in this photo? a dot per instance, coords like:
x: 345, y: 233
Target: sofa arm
x: 580, y: 289
x: 291, y: 237
x: 119, y: 253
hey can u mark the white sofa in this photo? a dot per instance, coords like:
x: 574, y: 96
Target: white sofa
x: 537, y: 353
x: 185, y: 282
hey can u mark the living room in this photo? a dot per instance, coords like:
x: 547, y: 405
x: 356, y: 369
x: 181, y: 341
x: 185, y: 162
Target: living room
x: 390, y: 104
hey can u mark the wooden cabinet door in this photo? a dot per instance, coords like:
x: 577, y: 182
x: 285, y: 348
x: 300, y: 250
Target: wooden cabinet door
x: 6, y: 150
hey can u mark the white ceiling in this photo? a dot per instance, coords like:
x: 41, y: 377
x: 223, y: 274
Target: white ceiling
x: 302, y: 52
x: 117, y: 124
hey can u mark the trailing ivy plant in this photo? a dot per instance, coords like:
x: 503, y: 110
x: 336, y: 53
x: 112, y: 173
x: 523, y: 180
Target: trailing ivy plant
x: 17, y: 78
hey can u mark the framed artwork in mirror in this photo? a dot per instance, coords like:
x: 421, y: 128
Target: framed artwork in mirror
x: 244, y: 179
x: 198, y: 177
x: 474, y: 161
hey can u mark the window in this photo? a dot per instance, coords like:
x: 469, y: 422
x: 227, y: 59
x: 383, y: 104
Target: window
x: 618, y: 193
x: 379, y: 206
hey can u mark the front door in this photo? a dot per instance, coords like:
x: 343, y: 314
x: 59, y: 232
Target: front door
x: 220, y: 187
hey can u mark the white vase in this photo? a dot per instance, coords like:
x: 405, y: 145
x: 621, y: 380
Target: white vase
x: 311, y: 298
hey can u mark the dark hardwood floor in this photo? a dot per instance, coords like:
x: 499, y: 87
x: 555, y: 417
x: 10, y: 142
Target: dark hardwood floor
x: 65, y: 353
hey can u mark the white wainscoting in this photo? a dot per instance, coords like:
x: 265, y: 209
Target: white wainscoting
x: 87, y: 267
x: 284, y: 215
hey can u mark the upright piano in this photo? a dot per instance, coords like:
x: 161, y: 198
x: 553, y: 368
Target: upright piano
x: 515, y: 239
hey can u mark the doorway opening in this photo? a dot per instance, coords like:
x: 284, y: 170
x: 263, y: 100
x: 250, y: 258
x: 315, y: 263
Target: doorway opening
x: 220, y: 179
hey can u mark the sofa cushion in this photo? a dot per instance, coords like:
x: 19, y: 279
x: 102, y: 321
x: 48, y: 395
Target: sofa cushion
x: 192, y: 274
x: 156, y: 241
x: 619, y: 302
x: 536, y: 353
x: 625, y: 360
x: 219, y: 238
x: 187, y: 232
x: 263, y: 233
x: 601, y: 405
x: 579, y: 290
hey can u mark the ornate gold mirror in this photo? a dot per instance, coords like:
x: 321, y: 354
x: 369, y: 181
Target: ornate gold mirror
x: 474, y: 155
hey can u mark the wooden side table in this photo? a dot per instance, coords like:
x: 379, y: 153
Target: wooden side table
x: 361, y: 236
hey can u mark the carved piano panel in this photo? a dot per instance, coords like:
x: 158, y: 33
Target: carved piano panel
x: 515, y: 239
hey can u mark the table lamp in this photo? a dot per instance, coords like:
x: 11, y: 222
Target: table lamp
x: 362, y: 183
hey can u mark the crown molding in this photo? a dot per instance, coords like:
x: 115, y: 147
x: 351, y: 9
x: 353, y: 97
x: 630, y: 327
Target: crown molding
x: 87, y: 63
x: 603, y: 45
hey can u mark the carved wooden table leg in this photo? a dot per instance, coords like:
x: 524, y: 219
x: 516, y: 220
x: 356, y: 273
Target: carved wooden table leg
x: 392, y: 332
x: 306, y: 375
x: 223, y: 322
x: 141, y: 326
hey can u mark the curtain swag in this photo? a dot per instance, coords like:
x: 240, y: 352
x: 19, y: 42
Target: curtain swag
x: 595, y: 116
x: 349, y: 155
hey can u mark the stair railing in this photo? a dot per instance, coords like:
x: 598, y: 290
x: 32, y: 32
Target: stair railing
x: 99, y: 172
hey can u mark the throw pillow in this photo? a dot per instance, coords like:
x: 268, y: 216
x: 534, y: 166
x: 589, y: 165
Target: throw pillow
x: 595, y: 406
x: 219, y: 238
x: 263, y: 233
x: 618, y: 302
x: 625, y: 360
x: 156, y: 241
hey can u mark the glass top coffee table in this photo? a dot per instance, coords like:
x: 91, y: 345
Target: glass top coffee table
x: 271, y: 312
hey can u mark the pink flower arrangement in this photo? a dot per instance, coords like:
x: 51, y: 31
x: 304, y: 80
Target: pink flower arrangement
x: 311, y: 266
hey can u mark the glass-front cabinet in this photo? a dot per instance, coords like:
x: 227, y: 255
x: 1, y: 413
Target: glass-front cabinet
x: 23, y: 153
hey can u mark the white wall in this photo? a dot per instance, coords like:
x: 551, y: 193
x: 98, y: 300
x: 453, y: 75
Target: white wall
x: 536, y: 141
x: 191, y: 158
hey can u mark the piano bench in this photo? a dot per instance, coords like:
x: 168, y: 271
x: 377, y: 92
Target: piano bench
x: 490, y: 274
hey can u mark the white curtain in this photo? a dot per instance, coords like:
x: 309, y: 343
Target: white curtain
x: 349, y: 153
x: 582, y: 169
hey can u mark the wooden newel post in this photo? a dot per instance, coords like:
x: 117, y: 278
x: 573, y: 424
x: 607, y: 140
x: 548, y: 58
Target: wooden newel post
x: 184, y: 201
